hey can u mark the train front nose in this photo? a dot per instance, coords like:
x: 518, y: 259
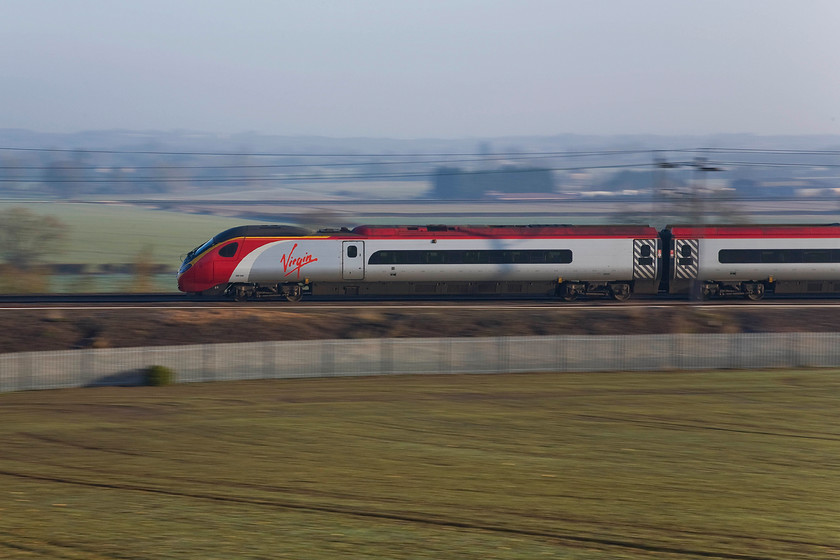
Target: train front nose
x: 193, y: 277
x: 185, y: 278
x: 196, y: 276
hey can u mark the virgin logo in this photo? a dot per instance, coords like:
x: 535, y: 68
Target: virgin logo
x: 292, y: 264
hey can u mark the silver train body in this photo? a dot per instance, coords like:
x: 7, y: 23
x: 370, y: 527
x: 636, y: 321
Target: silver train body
x: 562, y: 261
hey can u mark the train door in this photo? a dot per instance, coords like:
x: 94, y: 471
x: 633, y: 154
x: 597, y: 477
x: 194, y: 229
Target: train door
x: 646, y: 264
x: 353, y: 260
x: 684, y: 264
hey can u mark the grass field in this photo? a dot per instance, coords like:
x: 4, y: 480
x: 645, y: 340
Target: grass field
x: 106, y: 234
x: 735, y: 465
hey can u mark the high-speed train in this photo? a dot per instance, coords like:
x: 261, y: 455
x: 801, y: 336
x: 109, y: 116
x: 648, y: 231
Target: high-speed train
x: 552, y: 260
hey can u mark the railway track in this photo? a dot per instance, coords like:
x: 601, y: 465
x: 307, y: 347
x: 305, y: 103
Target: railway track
x: 185, y: 300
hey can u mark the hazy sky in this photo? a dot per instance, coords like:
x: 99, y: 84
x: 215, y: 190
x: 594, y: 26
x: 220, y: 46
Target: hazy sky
x: 422, y: 68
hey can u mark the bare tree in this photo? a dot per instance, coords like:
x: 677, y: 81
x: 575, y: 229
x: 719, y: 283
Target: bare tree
x: 26, y: 237
x: 144, y: 270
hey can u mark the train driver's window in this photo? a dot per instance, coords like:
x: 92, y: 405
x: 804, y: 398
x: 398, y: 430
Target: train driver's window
x: 352, y: 251
x: 228, y: 250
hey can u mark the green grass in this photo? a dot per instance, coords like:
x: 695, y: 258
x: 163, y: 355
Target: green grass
x: 100, y: 234
x: 105, y: 234
x: 584, y: 466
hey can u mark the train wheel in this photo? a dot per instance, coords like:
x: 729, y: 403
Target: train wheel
x: 620, y: 292
x: 754, y: 292
x: 293, y: 292
x: 242, y: 293
x: 568, y: 293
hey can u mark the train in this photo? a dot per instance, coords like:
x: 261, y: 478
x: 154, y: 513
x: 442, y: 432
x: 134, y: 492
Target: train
x: 567, y: 262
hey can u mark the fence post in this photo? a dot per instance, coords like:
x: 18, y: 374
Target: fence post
x: 327, y: 358
x: 386, y: 356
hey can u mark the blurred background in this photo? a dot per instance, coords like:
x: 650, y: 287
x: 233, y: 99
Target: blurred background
x: 130, y: 134
x: 119, y: 216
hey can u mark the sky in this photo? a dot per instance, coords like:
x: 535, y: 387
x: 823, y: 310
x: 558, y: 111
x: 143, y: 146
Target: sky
x: 422, y: 68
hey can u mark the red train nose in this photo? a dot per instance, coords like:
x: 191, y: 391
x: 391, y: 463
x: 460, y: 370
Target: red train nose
x: 196, y: 278
x: 186, y: 281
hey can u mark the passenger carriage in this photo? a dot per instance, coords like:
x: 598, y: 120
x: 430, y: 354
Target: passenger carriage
x: 753, y: 260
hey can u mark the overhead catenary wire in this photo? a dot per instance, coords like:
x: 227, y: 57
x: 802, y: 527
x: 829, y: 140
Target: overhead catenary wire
x: 322, y: 177
x: 561, y: 153
x: 653, y: 158
x: 555, y: 153
x: 285, y: 165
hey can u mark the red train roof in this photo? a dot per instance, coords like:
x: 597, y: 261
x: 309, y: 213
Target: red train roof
x: 470, y: 231
x: 756, y: 231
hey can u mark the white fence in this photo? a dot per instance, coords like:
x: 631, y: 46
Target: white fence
x: 325, y: 358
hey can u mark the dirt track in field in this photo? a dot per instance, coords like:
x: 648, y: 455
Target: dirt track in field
x: 40, y: 330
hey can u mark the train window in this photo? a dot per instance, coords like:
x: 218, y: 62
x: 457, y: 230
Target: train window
x: 685, y: 251
x: 817, y: 255
x: 778, y: 256
x: 410, y: 257
x: 562, y: 256
x: 495, y: 257
x: 383, y: 257
x: 228, y: 250
x: 472, y: 257
x: 352, y: 251
x: 453, y: 257
x: 771, y: 256
x: 645, y: 251
x: 534, y: 256
x: 733, y: 256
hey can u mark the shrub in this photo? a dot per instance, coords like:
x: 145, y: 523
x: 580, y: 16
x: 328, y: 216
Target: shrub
x: 158, y: 376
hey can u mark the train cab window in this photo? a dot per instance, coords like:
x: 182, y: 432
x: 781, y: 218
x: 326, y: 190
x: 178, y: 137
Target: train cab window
x: 228, y: 250
x: 352, y: 251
